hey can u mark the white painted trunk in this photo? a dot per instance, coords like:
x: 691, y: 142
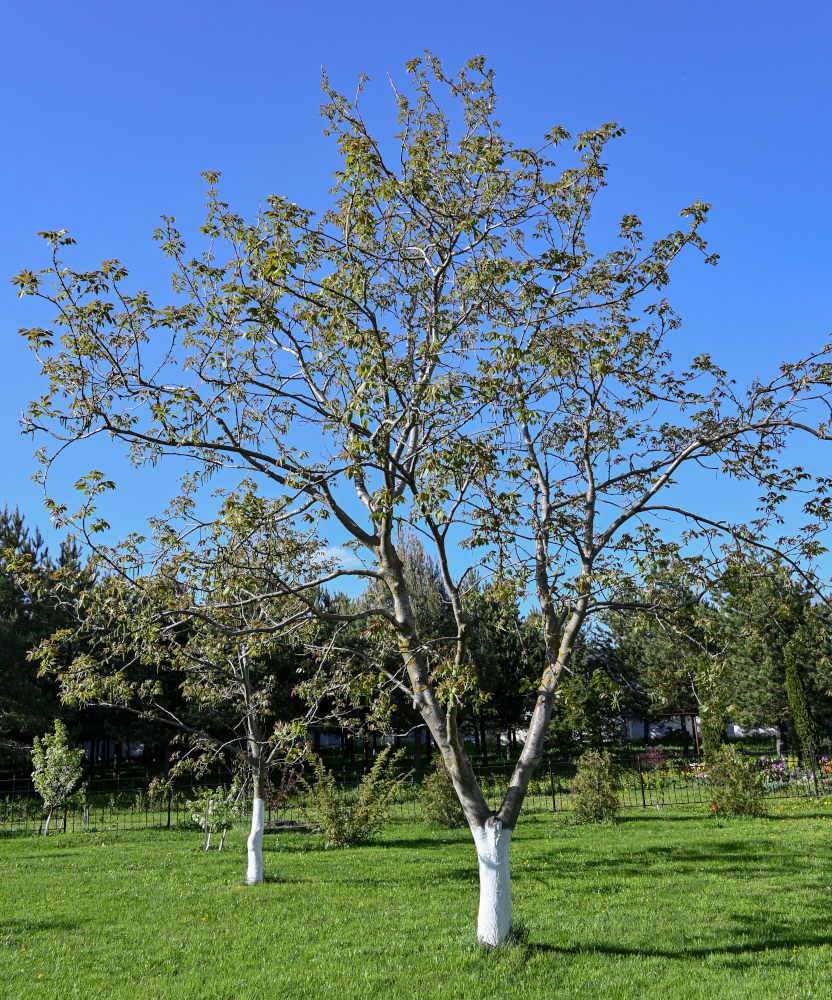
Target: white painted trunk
x: 48, y: 821
x: 255, y: 843
x: 494, y: 919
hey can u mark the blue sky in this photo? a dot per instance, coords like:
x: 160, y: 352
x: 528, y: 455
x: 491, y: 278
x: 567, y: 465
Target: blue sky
x: 111, y: 111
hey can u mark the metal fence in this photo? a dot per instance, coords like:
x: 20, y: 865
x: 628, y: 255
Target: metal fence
x: 654, y: 779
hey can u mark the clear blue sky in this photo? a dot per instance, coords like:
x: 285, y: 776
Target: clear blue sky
x: 111, y: 110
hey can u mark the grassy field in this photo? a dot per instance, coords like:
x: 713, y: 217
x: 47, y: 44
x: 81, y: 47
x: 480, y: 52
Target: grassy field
x: 669, y: 906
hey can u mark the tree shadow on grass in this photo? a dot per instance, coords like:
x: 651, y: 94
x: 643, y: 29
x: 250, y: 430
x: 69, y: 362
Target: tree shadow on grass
x: 728, y: 856
x: 17, y: 834
x: 42, y: 856
x: 463, y: 875
x: 815, y: 815
x: 419, y: 843
x: 651, y: 814
x: 30, y: 925
x: 784, y: 943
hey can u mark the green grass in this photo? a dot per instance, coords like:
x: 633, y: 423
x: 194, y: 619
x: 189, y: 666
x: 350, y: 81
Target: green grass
x: 671, y: 906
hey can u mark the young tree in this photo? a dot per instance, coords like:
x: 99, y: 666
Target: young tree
x: 439, y: 353
x: 56, y: 769
x: 210, y: 608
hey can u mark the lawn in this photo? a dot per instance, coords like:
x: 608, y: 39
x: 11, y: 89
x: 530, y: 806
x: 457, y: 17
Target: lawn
x: 670, y: 905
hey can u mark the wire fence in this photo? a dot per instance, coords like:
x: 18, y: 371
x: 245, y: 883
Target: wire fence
x: 654, y: 779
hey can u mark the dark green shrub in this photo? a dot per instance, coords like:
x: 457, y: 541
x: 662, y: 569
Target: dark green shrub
x: 440, y: 803
x: 353, y: 820
x: 594, y: 789
x: 736, y: 784
x: 804, y: 725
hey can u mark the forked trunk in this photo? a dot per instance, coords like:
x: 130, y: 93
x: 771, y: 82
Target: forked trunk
x: 492, y: 841
x: 254, y: 875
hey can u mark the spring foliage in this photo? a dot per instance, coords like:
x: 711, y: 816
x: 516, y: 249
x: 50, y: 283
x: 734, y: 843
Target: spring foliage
x: 56, y: 767
x: 215, y: 809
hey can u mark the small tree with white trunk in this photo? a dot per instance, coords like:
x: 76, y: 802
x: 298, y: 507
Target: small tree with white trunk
x: 206, y: 607
x: 56, y: 769
x: 440, y: 352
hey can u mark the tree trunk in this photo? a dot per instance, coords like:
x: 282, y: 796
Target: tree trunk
x: 491, y: 833
x: 48, y: 820
x: 492, y: 841
x: 207, y: 822
x: 254, y: 874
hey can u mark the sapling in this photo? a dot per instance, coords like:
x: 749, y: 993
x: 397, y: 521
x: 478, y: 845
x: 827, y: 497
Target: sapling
x: 56, y: 769
x: 216, y: 809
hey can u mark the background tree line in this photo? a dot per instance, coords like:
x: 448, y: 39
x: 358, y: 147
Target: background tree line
x: 754, y: 650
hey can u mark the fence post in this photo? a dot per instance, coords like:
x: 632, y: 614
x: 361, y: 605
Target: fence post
x: 552, y: 786
x: 641, y: 781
